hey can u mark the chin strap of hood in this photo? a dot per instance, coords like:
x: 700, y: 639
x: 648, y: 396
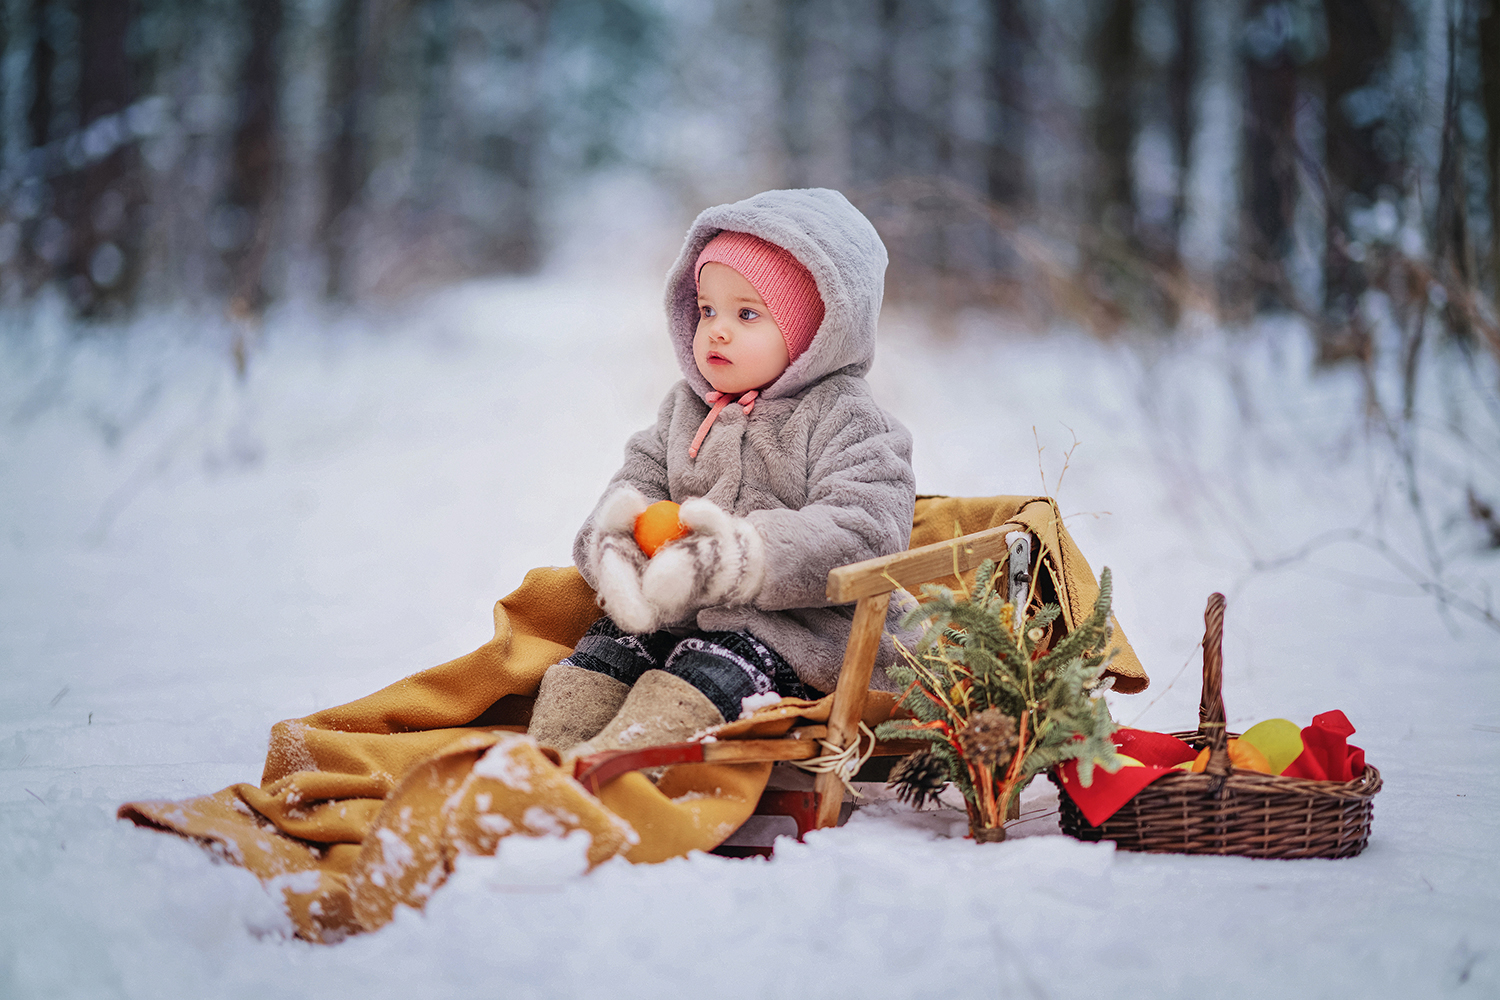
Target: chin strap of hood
x: 717, y: 401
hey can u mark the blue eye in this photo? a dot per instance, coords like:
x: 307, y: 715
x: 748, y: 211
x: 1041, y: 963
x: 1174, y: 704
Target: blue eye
x: 749, y: 314
x: 708, y: 311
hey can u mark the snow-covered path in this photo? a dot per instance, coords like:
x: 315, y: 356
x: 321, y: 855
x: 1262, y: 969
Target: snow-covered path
x: 185, y: 559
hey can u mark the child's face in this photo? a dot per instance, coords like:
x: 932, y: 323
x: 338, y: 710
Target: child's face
x: 738, y: 345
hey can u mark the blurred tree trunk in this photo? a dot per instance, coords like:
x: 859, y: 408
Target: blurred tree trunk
x: 42, y: 231
x: 347, y: 160
x: 1211, y: 242
x: 1183, y: 77
x: 254, y: 169
x: 873, y: 115
x: 793, y: 98
x: 43, y: 61
x: 1005, y: 85
x: 1270, y: 164
x: 100, y: 198
x: 1451, y: 246
x: 1489, y: 64
x: 510, y: 151
x: 12, y: 33
x: 434, y: 97
x: 1164, y: 78
x: 923, y: 135
x: 7, y: 31
x: 1116, y: 117
x: 1358, y: 162
x: 932, y: 122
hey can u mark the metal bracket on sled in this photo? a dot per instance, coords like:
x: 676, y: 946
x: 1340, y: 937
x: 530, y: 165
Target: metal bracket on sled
x: 1018, y: 574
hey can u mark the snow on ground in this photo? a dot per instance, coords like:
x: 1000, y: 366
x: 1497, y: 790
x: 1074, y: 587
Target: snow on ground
x: 188, y: 558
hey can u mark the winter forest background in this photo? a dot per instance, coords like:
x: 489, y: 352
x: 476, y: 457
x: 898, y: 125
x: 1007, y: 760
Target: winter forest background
x: 1122, y: 161
x: 1150, y: 166
x: 1112, y: 162
x: 322, y: 321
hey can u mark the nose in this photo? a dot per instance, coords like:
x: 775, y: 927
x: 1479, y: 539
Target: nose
x: 718, y: 329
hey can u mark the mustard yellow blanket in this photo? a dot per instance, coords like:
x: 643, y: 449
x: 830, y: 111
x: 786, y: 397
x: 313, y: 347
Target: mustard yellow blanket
x: 364, y: 807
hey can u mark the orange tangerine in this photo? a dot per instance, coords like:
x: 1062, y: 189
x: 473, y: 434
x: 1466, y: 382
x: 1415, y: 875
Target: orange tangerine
x: 1242, y: 756
x: 657, y: 525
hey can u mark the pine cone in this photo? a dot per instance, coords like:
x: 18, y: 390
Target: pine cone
x: 919, y: 778
x: 989, y: 738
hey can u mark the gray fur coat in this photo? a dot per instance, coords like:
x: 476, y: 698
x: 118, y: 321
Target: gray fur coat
x: 819, y: 469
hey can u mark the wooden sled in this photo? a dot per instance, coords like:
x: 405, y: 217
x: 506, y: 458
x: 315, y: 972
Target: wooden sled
x: 869, y: 584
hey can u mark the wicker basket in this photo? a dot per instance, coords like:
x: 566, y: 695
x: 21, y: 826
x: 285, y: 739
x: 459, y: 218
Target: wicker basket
x: 1224, y: 811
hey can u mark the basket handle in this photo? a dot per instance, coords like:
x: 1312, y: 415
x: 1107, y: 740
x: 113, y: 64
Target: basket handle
x: 1211, y: 721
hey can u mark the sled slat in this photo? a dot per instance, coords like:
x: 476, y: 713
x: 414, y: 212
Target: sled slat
x: 745, y: 751
x: 849, y: 696
x: 597, y: 770
x: 917, y: 566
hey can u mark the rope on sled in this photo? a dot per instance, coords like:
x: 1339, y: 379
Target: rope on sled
x: 843, y: 762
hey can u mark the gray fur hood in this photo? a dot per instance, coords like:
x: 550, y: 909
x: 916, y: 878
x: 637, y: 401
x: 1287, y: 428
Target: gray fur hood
x: 819, y: 469
x: 834, y: 241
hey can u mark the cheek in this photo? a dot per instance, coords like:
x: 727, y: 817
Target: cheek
x: 773, y: 353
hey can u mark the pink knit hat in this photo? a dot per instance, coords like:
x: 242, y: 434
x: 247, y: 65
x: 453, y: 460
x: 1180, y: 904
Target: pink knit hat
x: 788, y: 288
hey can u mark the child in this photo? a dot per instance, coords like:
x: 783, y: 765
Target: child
x: 772, y: 307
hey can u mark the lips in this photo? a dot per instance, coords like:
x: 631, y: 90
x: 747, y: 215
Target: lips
x: 715, y: 358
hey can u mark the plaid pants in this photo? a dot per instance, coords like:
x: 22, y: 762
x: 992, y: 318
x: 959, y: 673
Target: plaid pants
x: 727, y: 667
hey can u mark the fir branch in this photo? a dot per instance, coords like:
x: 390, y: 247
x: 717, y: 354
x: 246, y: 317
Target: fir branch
x: 905, y: 729
x: 1044, y: 616
x: 984, y: 578
x: 958, y: 773
x: 972, y: 662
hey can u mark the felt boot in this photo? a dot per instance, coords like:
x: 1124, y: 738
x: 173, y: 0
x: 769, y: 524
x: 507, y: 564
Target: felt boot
x: 661, y: 708
x: 572, y: 704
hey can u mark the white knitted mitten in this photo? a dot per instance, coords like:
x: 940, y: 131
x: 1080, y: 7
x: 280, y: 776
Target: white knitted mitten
x: 722, y: 561
x: 617, y: 562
